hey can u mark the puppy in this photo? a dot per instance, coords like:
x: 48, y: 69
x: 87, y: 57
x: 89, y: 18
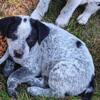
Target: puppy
x: 53, y: 61
x: 66, y: 13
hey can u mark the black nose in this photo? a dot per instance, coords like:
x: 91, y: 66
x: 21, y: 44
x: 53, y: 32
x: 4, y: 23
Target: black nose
x: 18, y: 53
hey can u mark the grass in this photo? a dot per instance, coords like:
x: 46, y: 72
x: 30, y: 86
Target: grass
x: 89, y: 33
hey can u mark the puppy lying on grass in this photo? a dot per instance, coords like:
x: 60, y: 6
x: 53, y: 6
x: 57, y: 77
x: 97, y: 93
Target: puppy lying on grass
x: 66, y: 13
x: 54, y: 62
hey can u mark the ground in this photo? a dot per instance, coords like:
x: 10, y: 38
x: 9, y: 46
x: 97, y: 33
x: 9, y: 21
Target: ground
x: 89, y: 33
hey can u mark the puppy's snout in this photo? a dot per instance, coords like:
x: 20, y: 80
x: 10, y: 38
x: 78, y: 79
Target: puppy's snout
x: 18, y: 53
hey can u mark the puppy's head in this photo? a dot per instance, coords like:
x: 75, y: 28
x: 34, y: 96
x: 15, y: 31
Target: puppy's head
x: 22, y: 33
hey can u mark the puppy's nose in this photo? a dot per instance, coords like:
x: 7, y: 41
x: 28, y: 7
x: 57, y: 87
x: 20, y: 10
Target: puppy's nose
x: 18, y: 53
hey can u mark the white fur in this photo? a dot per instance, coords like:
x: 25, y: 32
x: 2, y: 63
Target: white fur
x: 41, y: 9
x: 91, y: 8
x: 68, y: 67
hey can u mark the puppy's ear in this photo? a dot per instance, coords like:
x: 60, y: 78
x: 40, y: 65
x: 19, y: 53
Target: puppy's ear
x: 6, y: 23
x: 42, y: 30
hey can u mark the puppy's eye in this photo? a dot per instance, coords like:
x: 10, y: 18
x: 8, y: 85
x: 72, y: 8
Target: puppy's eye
x: 31, y: 40
x: 98, y: 3
x: 12, y: 36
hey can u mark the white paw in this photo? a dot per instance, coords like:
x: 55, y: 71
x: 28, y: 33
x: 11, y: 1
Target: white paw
x: 83, y: 19
x: 31, y: 91
x: 36, y: 15
x: 62, y: 21
x: 35, y: 91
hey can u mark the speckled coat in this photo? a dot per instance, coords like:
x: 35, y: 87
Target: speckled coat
x: 57, y: 64
x: 66, y: 62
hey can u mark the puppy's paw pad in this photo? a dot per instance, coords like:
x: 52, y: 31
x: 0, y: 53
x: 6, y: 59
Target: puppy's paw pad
x: 82, y: 19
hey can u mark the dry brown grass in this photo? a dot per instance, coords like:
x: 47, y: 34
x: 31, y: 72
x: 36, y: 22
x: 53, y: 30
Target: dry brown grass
x: 16, y: 7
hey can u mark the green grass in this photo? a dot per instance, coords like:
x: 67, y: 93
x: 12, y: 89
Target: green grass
x: 89, y: 33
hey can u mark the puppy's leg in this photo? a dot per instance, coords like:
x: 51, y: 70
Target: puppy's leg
x: 38, y: 91
x: 67, y: 12
x: 90, y: 9
x: 64, y: 79
x: 9, y: 67
x: 43, y: 91
x: 41, y: 9
x: 36, y: 82
x: 22, y: 75
x: 56, y: 88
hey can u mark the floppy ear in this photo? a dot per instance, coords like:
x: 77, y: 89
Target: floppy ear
x: 42, y: 30
x: 6, y: 23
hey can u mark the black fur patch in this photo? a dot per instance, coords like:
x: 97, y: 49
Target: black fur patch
x: 92, y: 82
x: 8, y: 26
x: 46, y: 82
x: 12, y: 36
x: 32, y: 38
x: 42, y: 30
x: 13, y: 28
x: 78, y: 44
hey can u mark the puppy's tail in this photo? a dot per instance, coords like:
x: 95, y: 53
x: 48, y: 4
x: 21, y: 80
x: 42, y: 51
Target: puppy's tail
x: 5, y: 56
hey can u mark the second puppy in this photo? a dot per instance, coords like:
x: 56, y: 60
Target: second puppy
x: 66, y: 13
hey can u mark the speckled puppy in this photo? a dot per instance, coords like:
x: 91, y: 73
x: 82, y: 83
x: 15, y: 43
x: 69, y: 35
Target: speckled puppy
x: 63, y: 60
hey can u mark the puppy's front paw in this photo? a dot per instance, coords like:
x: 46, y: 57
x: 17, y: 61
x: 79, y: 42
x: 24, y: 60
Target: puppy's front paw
x: 12, y: 93
x: 62, y: 21
x: 32, y: 91
x: 11, y: 86
x: 83, y: 19
x: 36, y: 91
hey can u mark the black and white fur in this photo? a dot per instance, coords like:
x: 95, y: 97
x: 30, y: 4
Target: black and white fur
x: 66, y: 13
x: 54, y: 62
